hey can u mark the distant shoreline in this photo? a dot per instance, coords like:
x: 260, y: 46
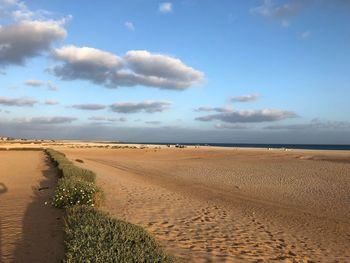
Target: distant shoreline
x: 334, y: 147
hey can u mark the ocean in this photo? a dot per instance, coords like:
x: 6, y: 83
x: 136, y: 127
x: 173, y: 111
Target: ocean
x: 335, y: 147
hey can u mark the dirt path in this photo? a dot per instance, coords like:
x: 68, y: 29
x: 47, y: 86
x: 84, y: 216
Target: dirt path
x: 30, y: 231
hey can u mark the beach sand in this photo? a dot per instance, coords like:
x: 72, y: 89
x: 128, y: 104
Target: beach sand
x: 30, y: 231
x: 231, y: 205
x: 205, y: 204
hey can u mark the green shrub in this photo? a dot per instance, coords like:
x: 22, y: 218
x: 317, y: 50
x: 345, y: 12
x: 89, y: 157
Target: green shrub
x: 70, y: 170
x: 74, y: 191
x: 93, y: 236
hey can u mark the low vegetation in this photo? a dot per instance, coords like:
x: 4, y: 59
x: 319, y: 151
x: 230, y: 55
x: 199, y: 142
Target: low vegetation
x: 92, y: 235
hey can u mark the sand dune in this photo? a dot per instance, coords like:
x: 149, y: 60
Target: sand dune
x: 30, y: 231
x: 227, y: 205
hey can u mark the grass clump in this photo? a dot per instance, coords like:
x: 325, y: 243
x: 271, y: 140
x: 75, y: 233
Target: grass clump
x: 93, y: 236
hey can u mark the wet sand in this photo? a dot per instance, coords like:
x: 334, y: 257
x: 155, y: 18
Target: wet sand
x: 30, y: 231
x: 231, y: 205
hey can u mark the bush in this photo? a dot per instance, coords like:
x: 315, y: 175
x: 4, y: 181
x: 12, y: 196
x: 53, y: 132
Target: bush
x: 74, y: 191
x: 70, y: 170
x: 93, y: 236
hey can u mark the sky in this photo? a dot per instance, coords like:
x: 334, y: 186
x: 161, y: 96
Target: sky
x: 200, y: 71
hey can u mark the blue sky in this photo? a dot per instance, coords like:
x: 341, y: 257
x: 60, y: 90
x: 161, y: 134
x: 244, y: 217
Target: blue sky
x: 191, y: 70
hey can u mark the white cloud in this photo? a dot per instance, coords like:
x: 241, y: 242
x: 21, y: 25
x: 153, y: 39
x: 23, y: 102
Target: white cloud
x: 135, y: 68
x: 46, y: 120
x: 89, y: 106
x: 34, y: 82
x: 136, y: 107
x: 250, y: 116
x: 245, y: 98
x: 216, y: 109
x: 280, y: 12
x: 129, y: 25
x: 39, y: 83
x: 51, y: 102
x: 166, y: 7
x: 19, y: 102
x: 27, y: 39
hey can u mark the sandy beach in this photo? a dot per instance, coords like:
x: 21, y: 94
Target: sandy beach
x: 30, y: 231
x: 230, y: 205
x: 205, y: 204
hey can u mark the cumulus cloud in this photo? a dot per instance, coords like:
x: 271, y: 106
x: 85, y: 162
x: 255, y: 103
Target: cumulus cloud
x: 250, y: 116
x: 89, y: 106
x: 19, y: 102
x: 166, y: 7
x: 45, y: 120
x: 135, y: 68
x: 86, y: 63
x: 27, y: 39
x: 245, y: 98
x: 146, y: 106
x: 314, y: 124
x: 129, y: 25
x: 51, y: 102
x: 215, y: 109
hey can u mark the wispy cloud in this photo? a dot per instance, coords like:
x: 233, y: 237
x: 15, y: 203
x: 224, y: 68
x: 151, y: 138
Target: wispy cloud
x: 46, y: 120
x: 233, y: 126
x: 215, y: 109
x: 245, y: 98
x: 146, y: 106
x: 283, y: 13
x: 39, y: 83
x: 314, y: 124
x: 305, y: 34
x: 51, y: 102
x: 250, y: 116
x: 153, y: 122
x: 89, y: 106
x: 34, y: 82
x: 19, y: 102
x: 129, y: 25
x: 166, y: 7
x: 101, y: 118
